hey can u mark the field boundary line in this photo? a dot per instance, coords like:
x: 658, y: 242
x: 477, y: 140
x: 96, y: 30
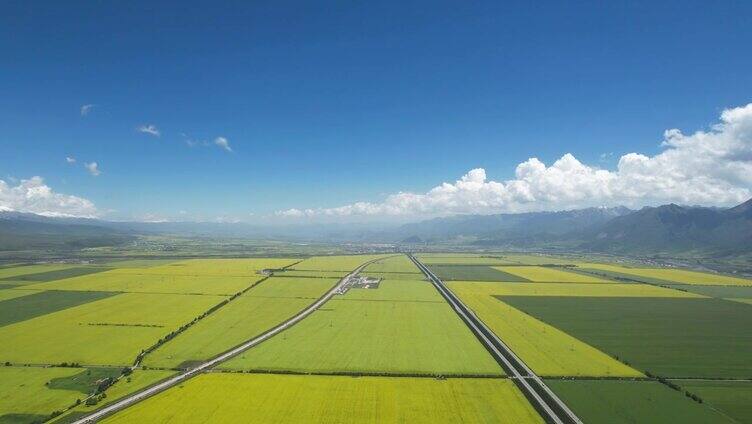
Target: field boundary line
x: 364, y: 374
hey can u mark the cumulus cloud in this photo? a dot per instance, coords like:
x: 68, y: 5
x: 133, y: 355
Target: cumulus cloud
x: 93, y: 168
x: 223, y: 143
x: 70, y: 159
x: 149, y: 129
x: 712, y: 167
x: 34, y: 196
x: 85, y: 109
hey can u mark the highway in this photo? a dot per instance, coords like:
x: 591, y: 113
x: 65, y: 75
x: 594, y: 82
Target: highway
x: 551, y: 408
x: 185, y: 375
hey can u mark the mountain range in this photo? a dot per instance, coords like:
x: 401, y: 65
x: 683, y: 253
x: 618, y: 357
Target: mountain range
x: 650, y: 230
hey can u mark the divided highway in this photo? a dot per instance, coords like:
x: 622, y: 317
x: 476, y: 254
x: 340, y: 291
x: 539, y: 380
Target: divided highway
x: 173, y: 381
x: 551, y: 408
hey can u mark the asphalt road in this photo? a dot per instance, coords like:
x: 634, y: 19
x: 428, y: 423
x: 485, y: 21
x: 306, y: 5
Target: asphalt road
x: 173, y: 381
x: 545, y: 401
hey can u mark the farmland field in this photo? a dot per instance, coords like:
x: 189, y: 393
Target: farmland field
x: 382, y: 337
x: 669, y: 275
x: 392, y: 350
x: 300, y: 399
x: 632, y: 402
x: 474, y: 273
x: 23, y: 272
x: 335, y: 263
x: 44, y: 302
x: 370, y: 331
x: 545, y: 349
x: 671, y: 337
x: 733, y: 398
x: 58, y: 274
x: 126, y: 385
x: 549, y: 275
x: 6, y: 294
x: 260, y: 309
x: 152, y: 283
x: 310, y: 274
x: 118, y: 326
x: 24, y: 396
x: 573, y: 289
x: 393, y: 264
x: 459, y: 259
x: 721, y: 292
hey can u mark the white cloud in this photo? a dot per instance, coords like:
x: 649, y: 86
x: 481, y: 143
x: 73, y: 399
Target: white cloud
x: 711, y: 167
x: 223, y: 143
x: 34, y: 196
x: 153, y: 218
x: 149, y: 129
x: 85, y: 109
x: 93, y: 168
x: 70, y: 159
x: 295, y: 213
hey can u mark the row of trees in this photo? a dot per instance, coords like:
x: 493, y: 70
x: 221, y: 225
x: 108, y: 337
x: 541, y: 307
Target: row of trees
x: 674, y: 386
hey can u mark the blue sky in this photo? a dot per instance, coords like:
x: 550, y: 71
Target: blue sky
x: 327, y: 104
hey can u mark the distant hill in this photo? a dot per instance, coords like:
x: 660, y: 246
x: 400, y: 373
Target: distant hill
x: 504, y: 229
x: 650, y: 230
x: 673, y: 228
x: 21, y: 231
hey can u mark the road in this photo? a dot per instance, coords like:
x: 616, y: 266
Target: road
x: 173, y: 381
x: 551, y: 408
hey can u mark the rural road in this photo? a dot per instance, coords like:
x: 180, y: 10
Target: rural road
x: 551, y: 408
x: 173, y: 381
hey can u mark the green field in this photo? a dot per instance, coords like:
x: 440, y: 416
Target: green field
x: 85, y: 381
x: 139, y: 379
x: 549, y: 275
x: 544, y: 348
x: 261, y: 308
x: 621, y: 276
x: 24, y: 396
x: 721, y: 292
x: 119, y: 281
x: 733, y: 398
x: 670, y: 275
x: 311, y: 274
x: 17, y: 272
x: 309, y: 288
x: 378, y: 354
x: 6, y: 294
x: 335, y: 263
x: 625, y: 402
x: 392, y: 276
x: 53, y: 275
x: 44, y: 302
x: 416, y: 334
x: 394, y: 264
x: 214, y: 267
x: 473, y: 273
x: 306, y: 399
x: 110, y: 331
x: 673, y: 337
x: 572, y: 289
x: 463, y: 259
x: 520, y: 259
